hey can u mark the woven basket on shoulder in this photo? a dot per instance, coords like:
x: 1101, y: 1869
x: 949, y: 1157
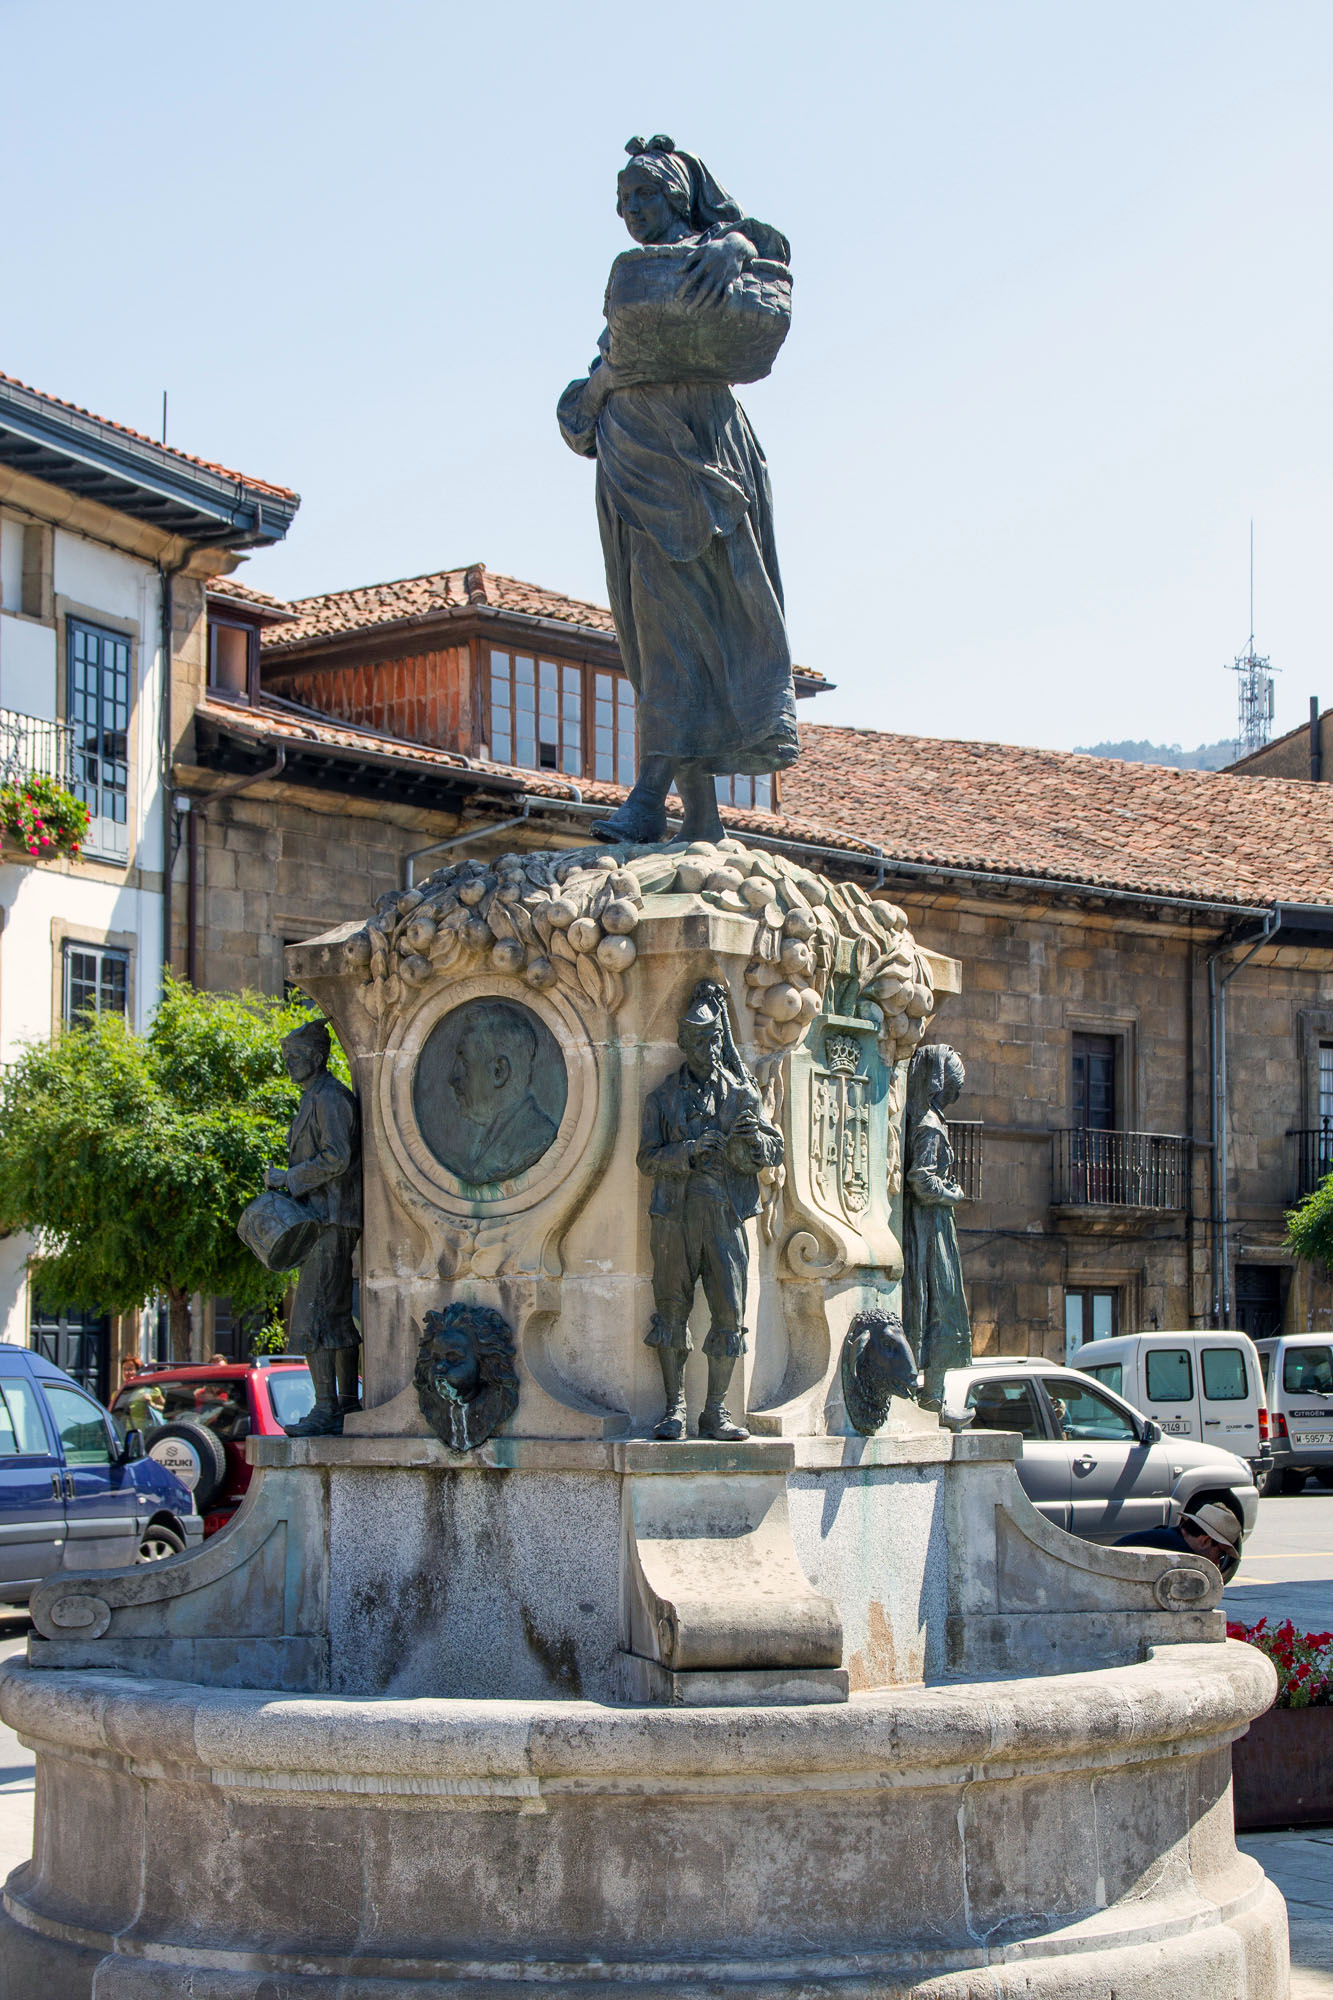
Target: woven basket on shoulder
x: 657, y: 337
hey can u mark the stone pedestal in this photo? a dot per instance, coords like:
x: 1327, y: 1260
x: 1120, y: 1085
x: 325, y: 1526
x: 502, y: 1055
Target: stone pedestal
x: 597, y: 956
x: 534, y: 1569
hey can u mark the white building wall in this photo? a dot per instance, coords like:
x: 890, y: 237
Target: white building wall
x: 95, y: 903
x: 27, y: 667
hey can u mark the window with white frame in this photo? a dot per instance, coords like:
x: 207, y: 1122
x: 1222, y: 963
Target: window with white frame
x: 97, y: 683
x: 742, y: 791
x: 95, y: 980
x: 537, y: 713
x: 613, y: 739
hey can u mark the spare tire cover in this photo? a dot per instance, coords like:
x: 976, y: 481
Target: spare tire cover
x: 195, y: 1455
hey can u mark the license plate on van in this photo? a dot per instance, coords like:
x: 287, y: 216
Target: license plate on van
x: 1315, y: 1437
x: 1177, y: 1427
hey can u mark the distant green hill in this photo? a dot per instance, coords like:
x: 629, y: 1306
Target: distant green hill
x: 1208, y: 756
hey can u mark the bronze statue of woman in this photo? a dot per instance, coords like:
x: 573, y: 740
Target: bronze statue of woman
x: 935, y: 1313
x: 683, y: 498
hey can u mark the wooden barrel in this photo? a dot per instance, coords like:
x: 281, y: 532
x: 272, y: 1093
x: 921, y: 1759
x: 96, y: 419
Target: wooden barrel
x: 279, y: 1230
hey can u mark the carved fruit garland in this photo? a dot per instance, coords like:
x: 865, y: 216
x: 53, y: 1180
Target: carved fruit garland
x: 811, y: 934
x: 549, y: 919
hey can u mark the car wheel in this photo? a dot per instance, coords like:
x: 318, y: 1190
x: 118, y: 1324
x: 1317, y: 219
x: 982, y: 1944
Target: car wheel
x: 1293, y: 1482
x: 1324, y: 1478
x: 1272, y: 1483
x: 159, y: 1542
x: 195, y: 1455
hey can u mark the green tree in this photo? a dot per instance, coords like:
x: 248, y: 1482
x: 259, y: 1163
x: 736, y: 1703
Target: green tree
x: 129, y: 1157
x: 1310, y: 1227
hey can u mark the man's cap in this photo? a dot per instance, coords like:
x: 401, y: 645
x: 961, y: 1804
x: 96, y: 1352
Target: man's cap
x: 1215, y: 1520
x: 706, y: 1006
x: 310, y: 1035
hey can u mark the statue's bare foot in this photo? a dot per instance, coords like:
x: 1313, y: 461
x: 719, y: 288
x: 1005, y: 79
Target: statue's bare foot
x: 714, y: 1423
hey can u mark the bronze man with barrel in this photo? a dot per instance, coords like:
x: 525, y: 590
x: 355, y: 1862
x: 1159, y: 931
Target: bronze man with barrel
x: 311, y: 1216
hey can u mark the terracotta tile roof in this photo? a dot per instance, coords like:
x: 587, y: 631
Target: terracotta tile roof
x: 413, y: 598
x: 992, y: 808
x: 205, y: 464
x: 998, y: 808
x: 274, y: 723
x: 258, y: 600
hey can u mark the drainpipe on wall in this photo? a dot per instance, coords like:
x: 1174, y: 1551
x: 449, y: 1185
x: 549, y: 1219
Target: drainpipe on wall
x: 1219, y: 1115
x: 170, y: 839
x: 199, y: 808
x: 460, y: 840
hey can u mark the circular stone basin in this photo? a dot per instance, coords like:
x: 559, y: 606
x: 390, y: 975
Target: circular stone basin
x: 1049, y: 1837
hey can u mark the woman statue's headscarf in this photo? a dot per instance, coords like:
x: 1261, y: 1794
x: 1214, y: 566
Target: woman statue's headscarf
x: 698, y: 199
x: 933, y: 1065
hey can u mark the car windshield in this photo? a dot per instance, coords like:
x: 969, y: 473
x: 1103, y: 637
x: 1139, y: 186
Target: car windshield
x: 1308, y: 1371
x: 220, y: 1403
x: 1005, y: 1406
x: 292, y: 1394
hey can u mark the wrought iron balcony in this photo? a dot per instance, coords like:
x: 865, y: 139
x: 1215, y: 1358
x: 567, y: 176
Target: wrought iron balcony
x: 1314, y: 1158
x: 1119, y: 1170
x: 965, y: 1138
x: 32, y: 746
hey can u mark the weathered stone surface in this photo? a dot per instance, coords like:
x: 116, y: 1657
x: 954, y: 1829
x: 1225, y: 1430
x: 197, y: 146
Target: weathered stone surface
x: 711, y: 1579
x: 374, y: 1565
x: 602, y: 952
x: 1016, y: 1838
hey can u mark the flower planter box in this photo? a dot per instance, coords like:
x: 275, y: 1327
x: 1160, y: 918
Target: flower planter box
x: 1282, y: 1770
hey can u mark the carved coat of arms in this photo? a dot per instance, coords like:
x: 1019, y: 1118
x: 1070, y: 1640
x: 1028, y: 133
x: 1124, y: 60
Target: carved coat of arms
x: 840, y: 1129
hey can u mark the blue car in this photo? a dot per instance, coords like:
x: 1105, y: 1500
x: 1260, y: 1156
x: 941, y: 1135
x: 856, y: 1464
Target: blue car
x: 72, y: 1495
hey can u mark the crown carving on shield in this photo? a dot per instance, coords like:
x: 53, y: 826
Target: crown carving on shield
x: 842, y: 1054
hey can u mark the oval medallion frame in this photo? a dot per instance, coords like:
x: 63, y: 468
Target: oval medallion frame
x: 413, y: 1156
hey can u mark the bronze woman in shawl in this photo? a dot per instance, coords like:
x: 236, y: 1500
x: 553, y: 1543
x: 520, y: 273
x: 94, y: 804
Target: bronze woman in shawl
x: 935, y: 1311
x: 684, y: 505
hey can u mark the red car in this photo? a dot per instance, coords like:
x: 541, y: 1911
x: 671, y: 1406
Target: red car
x: 195, y: 1422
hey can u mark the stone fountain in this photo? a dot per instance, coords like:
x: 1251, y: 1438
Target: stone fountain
x: 550, y: 1668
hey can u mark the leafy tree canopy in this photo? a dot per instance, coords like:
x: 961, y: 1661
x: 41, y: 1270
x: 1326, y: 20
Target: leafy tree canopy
x: 129, y: 1157
x: 1310, y: 1227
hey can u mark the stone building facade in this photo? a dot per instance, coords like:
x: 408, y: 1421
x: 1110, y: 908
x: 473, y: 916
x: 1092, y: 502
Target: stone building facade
x: 1086, y: 900
x: 107, y: 540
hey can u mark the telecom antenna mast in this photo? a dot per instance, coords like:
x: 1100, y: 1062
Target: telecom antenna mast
x: 1254, y: 686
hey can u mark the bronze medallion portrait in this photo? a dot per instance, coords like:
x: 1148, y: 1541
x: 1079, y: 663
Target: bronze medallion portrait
x: 489, y: 1091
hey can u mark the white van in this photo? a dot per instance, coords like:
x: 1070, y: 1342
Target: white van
x: 1298, y: 1380
x: 1208, y: 1386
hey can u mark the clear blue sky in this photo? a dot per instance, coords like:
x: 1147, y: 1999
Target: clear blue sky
x: 1062, y: 317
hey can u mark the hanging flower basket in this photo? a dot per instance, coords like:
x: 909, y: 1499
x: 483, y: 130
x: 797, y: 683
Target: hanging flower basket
x: 43, y: 818
x: 1282, y: 1768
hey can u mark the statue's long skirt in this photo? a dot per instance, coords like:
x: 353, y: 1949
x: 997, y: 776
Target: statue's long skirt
x: 686, y: 516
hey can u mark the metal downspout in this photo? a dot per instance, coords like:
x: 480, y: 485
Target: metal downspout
x: 460, y: 840
x: 1220, y: 1122
x: 170, y: 834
